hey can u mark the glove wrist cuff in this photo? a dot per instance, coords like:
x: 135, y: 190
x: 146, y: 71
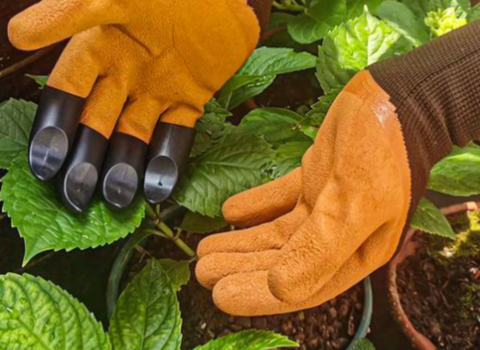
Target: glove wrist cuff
x: 436, y: 92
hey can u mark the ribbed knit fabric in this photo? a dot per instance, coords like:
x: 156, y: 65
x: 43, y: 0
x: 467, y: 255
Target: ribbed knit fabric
x: 262, y: 9
x: 436, y: 90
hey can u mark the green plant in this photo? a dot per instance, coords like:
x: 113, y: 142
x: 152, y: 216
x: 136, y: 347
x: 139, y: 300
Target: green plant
x: 226, y: 158
x: 36, y: 314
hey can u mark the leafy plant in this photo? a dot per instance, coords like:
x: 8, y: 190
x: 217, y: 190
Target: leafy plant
x: 225, y: 159
x: 36, y: 314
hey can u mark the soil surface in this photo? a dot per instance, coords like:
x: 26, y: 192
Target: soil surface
x: 330, y: 326
x: 440, y: 288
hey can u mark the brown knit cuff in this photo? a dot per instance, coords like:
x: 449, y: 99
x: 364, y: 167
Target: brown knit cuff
x: 436, y: 90
x: 262, y: 9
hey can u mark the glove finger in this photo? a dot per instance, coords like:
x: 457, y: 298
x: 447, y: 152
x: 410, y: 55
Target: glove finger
x: 124, y: 166
x: 269, y: 236
x: 212, y: 268
x: 264, y: 203
x: 248, y: 294
x: 169, y: 151
x: 52, y: 21
x: 60, y: 110
x: 83, y: 169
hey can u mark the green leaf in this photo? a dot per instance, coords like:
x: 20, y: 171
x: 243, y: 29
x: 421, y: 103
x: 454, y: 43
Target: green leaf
x: 260, y: 71
x: 147, y: 314
x: 355, y: 8
x: 355, y: 45
x: 41, y: 80
x: 418, y: 7
x: 288, y: 157
x: 317, y: 114
x: 177, y: 271
x: 36, y: 314
x: 330, y: 12
x: 210, y: 127
x: 458, y: 174
x: 44, y: 222
x: 276, y: 125
x: 429, y: 219
x: 196, y: 223
x: 474, y: 13
x: 306, y: 30
x: 233, y: 164
x: 249, y: 340
x: 363, y: 344
x: 462, y: 7
x: 16, y: 120
x: 403, y: 20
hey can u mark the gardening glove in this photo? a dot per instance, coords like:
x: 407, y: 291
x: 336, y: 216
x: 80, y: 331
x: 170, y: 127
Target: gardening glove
x: 136, y: 73
x: 327, y: 225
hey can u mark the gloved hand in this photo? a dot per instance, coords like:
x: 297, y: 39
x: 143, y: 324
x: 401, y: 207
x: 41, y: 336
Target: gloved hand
x: 329, y: 224
x: 130, y: 65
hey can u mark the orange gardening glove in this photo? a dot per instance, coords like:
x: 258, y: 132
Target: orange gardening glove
x: 129, y: 65
x: 329, y: 224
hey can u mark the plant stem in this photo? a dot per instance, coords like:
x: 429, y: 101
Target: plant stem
x: 166, y: 232
x: 23, y: 63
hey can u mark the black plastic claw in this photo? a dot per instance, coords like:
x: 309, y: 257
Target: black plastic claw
x: 53, y: 132
x: 167, y: 159
x: 123, y: 170
x: 81, y: 173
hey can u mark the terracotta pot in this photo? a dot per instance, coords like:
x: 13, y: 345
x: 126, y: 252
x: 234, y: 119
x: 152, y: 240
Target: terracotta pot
x: 418, y: 340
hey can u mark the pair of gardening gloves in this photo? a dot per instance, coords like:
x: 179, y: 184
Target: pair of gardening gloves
x: 136, y: 67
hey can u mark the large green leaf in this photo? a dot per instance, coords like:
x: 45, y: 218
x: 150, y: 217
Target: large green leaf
x: 147, y: 314
x: 260, y: 71
x: 44, y: 222
x: 249, y: 340
x: 196, y: 223
x: 16, y: 120
x: 288, y: 157
x: 363, y: 344
x: 276, y: 125
x: 231, y: 165
x: 402, y: 19
x: 429, y: 219
x: 353, y: 46
x: 37, y: 315
x: 458, y: 174
x: 178, y: 271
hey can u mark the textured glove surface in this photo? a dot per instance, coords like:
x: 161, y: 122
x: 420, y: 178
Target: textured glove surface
x: 335, y: 220
x: 331, y: 223
x: 138, y: 60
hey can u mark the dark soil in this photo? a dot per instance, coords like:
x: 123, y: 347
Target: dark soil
x: 441, y: 294
x: 330, y: 326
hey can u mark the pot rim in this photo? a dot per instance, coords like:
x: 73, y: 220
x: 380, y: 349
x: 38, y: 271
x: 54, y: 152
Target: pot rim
x: 126, y: 252
x: 409, y: 248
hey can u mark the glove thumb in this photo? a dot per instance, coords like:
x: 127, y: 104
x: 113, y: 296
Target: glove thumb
x: 52, y: 21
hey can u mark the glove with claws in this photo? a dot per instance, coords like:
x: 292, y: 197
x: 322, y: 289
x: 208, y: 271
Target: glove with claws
x: 136, y: 73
